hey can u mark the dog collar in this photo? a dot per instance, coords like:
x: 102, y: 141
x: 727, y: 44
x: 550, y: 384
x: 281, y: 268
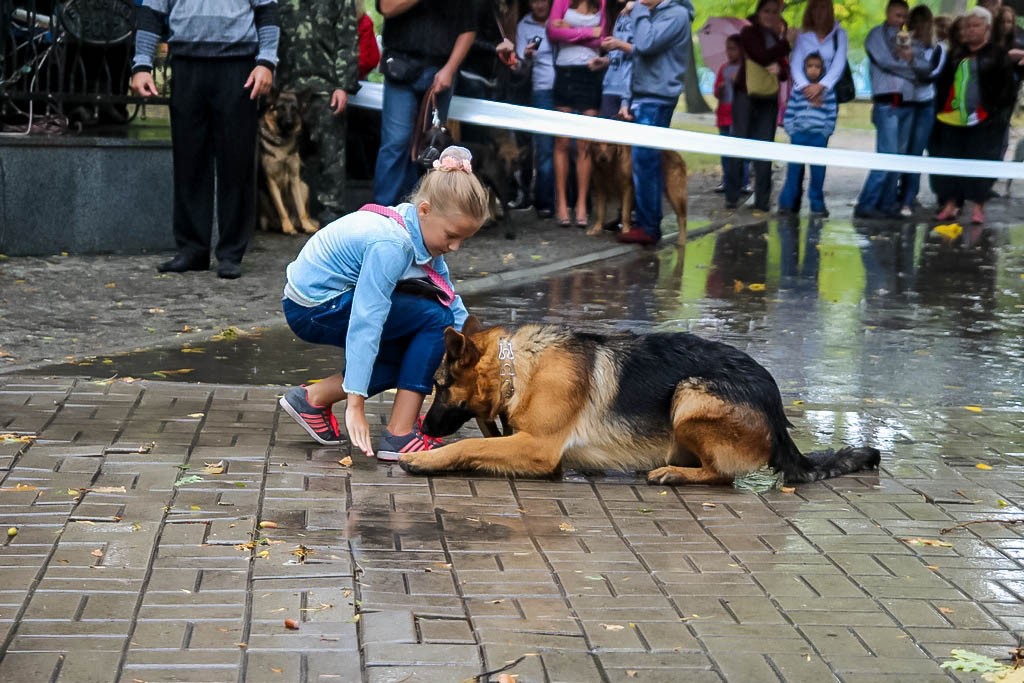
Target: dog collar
x: 507, y: 374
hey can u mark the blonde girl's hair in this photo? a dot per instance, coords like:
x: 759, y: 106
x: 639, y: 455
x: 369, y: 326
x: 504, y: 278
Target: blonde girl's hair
x: 452, y: 189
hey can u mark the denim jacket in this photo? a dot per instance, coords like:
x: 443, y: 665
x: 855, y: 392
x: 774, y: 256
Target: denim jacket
x: 369, y: 254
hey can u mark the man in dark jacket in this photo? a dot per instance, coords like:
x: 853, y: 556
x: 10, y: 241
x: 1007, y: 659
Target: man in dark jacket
x: 424, y: 41
x: 223, y: 54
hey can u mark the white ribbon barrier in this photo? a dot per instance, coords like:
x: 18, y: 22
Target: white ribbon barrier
x: 530, y: 120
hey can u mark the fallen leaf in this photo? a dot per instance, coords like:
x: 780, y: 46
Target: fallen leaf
x: 507, y: 678
x: 345, y: 462
x: 933, y: 542
x: 196, y: 414
x: 213, y: 467
x: 97, y: 553
x: 191, y: 479
x: 630, y: 673
x: 194, y: 507
x: 787, y: 489
x: 18, y: 487
x: 613, y: 627
x: 708, y: 505
x: 268, y: 525
x: 1001, y: 503
x: 566, y: 526
x: 973, y: 409
x: 291, y: 624
x: 949, y: 230
x: 983, y: 466
x: 12, y: 532
x: 277, y: 669
x: 756, y: 287
x: 946, y: 610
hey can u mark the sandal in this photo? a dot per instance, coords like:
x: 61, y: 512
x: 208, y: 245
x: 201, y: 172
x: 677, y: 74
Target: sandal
x: 582, y: 221
x: 564, y: 223
x: 947, y: 213
x: 978, y: 216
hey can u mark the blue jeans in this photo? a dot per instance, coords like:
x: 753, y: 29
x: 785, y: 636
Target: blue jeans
x: 648, y: 177
x: 396, y: 174
x: 411, y: 341
x: 892, y: 136
x: 793, y: 188
x: 921, y: 123
x: 727, y: 131
x: 543, y: 155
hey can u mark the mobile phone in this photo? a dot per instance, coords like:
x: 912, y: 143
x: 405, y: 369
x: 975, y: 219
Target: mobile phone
x: 534, y: 42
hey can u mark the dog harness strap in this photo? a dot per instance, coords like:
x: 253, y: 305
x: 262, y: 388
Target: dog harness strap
x: 447, y: 293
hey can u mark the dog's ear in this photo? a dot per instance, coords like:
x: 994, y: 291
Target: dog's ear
x: 460, y: 349
x: 472, y: 325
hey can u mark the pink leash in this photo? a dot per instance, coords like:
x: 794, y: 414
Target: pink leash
x: 448, y: 294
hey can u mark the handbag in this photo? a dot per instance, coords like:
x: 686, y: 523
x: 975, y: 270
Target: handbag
x: 844, y: 89
x: 760, y: 81
x: 401, y: 67
x: 429, y: 137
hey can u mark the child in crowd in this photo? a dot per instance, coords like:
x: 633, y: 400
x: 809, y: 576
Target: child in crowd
x: 533, y: 48
x: 725, y: 81
x: 619, y: 62
x: 809, y: 123
x: 375, y: 283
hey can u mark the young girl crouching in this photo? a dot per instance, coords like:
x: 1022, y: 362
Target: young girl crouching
x: 375, y: 283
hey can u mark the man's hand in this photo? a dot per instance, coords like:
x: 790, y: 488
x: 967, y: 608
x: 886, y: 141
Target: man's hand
x: 339, y: 100
x: 624, y: 113
x: 506, y: 50
x: 143, y: 85
x: 442, y: 79
x: 260, y: 81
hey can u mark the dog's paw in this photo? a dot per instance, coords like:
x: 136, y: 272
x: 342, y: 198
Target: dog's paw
x: 415, y: 464
x: 595, y: 229
x: 665, y: 476
x: 288, y: 228
x: 310, y: 225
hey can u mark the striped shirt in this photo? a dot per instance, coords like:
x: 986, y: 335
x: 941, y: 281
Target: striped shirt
x: 207, y: 29
x: 803, y: 117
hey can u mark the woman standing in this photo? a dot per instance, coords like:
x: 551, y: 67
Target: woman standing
x: 766, y: 45
x: 976, y: 91
x: 820, y: 34
x: 929, y: 60
x: 575, y: 28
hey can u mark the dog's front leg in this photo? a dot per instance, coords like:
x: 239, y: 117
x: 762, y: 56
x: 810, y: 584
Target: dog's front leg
x: 519, y: 454
x: 300, y: 195
x: 600, y: 211
x: 287, y: 226
x: 627, y: 206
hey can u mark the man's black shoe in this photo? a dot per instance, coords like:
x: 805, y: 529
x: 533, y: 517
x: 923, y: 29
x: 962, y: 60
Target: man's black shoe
x: 183, y: 263
x: 229, y: 270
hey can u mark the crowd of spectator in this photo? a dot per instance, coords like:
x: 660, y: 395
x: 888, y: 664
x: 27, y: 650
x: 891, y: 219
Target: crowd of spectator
x: 939, y: 85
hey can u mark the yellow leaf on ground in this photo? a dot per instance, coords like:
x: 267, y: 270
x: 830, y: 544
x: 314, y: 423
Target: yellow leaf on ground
x: 566, y: 526
x: 983, y: 466
x: 613, y: 627
x: 213, y: 467
x: 933, y: 542
x: 97, y: 553
x: 950, y: 230
x: 787, y: 489
x: 268, y: 525
x: 973, y: 409
x: 345, y: 462
x: 757, y: 287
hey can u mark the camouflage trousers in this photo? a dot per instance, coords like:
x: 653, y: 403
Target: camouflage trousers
x: 324, y: 162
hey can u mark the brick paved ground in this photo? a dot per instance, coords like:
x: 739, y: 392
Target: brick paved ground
x: 442, y: 579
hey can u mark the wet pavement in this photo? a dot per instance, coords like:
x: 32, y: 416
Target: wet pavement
x: 132, y: 563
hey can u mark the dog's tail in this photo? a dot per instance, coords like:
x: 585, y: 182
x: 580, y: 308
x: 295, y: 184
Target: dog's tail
x: 798, y: 467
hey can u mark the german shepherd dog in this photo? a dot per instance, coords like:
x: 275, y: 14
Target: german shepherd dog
x: 684, y: 409
x: 612, y: 177
x: 283, y: 193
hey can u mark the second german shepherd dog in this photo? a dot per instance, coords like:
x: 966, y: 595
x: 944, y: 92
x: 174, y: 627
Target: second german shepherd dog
x: 612, y: 178
x: 283, y: 193
x: 685, y: 409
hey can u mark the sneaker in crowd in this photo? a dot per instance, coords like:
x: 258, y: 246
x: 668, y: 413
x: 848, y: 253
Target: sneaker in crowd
x: 392, y: 447
x: 318, y: 422
x: 719, y: 188
x: 906, y: 211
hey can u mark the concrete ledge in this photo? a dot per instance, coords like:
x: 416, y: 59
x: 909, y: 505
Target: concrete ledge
x: 84, y: 195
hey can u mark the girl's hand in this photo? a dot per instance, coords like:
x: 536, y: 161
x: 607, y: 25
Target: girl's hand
x: 355, y: 423
x: 598, y: 63
x: 624, y: 113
